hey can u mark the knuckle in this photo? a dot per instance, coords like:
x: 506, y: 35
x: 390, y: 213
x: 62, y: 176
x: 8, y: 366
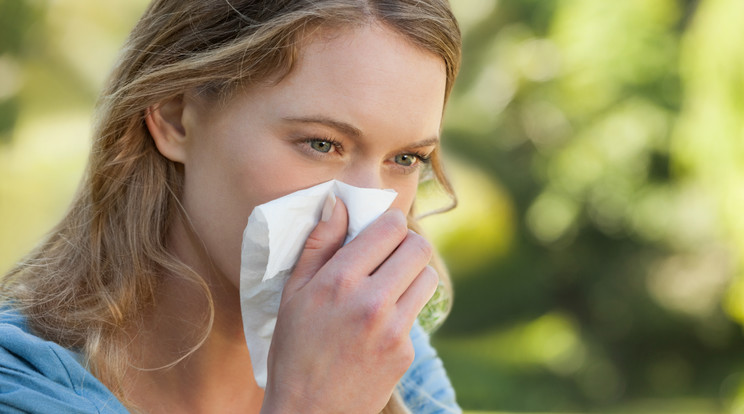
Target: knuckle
x: 395, y: 225
x: 408, y: 353
x: 334, y: 274
x: 405, y: 354
x: 314, y: 241
x: 397, y: 345
x: 337, y: 280
x: 397, y: 336
x: 423, y: 247
x: 373, y: 310
x: 343, y: 283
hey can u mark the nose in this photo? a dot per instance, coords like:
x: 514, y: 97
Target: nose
x: 362, y: 174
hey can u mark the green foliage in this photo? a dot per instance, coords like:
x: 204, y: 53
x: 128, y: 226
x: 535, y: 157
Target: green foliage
x: 15, y: 36
x: 15, y: 18
x: 615, y: 132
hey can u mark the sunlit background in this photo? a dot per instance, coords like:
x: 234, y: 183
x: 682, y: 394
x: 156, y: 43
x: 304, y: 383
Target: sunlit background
x: 598, y: 152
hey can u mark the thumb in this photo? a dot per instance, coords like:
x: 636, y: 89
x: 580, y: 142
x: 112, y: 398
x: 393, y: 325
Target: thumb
x: 322, y: 243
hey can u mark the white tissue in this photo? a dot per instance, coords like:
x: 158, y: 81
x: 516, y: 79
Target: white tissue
x: 272, y: 243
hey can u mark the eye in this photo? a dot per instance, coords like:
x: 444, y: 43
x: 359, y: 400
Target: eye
x: 406, y: 160
x: 321, y: 146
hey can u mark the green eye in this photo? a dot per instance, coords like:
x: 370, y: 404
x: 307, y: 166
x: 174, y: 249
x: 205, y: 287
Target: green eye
x: 406, y: 160
x: 321, y: 146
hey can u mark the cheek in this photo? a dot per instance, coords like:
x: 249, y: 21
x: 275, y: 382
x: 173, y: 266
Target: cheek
x: 291, y: 177
x: 220, y: 190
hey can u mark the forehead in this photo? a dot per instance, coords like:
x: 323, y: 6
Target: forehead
x: 367, y: 73
x: 370, y: 50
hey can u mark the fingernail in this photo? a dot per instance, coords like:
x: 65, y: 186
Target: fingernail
x: 328, y: 205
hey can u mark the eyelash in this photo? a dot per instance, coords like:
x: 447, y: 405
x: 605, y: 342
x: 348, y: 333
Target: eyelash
x: 423, y: 159
x: 336, y: 145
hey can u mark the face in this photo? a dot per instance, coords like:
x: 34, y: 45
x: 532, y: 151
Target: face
x: 363, y: 106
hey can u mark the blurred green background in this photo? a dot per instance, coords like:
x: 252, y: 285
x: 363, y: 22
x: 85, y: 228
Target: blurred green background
x: 598, y: 152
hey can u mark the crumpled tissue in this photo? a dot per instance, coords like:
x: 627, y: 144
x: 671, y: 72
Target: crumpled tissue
x: 272, y: 243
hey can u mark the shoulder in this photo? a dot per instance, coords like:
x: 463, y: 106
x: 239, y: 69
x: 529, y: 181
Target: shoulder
x: 39, y: 376
x: 425, y: 387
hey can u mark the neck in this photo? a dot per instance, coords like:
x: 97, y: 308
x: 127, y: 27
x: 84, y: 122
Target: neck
x: 216, y: 376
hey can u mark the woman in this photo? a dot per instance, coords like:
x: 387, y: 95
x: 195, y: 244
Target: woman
x: 216, y: 107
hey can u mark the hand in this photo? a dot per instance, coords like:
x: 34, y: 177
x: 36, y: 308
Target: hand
x: 341, y: 341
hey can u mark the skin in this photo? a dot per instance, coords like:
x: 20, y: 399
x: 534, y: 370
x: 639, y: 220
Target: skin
x: 360, y: 106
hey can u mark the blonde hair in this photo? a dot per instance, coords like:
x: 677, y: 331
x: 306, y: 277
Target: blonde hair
x: 100, y: 266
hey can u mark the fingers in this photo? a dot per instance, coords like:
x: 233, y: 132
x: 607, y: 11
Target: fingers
x: 413, y: 300
x: 374, y: 244
x: 322, y: 243
x: 395, y: 258
x: 404, y: 265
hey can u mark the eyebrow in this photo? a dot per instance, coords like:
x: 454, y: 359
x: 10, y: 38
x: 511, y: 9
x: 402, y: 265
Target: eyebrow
x: 351, y: 130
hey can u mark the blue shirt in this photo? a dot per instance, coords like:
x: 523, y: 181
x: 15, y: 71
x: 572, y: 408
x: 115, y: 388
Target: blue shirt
x: 39, y: 376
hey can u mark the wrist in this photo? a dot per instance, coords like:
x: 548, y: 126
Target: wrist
x: 280, y: 400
